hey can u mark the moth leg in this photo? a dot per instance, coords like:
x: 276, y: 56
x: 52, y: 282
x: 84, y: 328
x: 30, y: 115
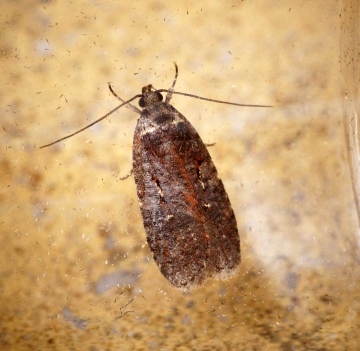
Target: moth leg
x: 169, y: 94
x: 131, y: 107
x: 125, y: 177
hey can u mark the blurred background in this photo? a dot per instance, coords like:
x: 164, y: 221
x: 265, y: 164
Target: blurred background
x: 76, y: 270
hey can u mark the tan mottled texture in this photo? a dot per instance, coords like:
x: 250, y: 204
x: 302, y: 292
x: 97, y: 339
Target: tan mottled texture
x: 69, y: 229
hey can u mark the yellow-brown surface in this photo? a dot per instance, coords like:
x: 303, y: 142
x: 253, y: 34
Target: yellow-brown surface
x: 67, y: 224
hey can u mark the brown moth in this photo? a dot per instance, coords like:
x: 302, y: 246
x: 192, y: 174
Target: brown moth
x: 189, y: 222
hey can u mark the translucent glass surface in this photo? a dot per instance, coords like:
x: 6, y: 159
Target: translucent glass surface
x: 76, y: 271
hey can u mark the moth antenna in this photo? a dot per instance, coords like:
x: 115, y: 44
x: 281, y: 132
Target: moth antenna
x: 91, y: 124
x: 207, y: 99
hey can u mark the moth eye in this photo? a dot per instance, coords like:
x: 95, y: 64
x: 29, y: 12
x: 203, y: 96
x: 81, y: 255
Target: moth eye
x: 160, y: 97
x: 142, y: 102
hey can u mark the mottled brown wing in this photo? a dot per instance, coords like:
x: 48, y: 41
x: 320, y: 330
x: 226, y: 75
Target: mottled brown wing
x: 188, y: 219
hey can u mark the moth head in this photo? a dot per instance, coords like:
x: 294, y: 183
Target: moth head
x: 149, y: 97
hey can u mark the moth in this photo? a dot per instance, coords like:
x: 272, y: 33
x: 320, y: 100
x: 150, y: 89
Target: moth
x: 188, y: 219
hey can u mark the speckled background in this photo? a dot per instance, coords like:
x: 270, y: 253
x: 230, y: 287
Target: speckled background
x: 76, y: 271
